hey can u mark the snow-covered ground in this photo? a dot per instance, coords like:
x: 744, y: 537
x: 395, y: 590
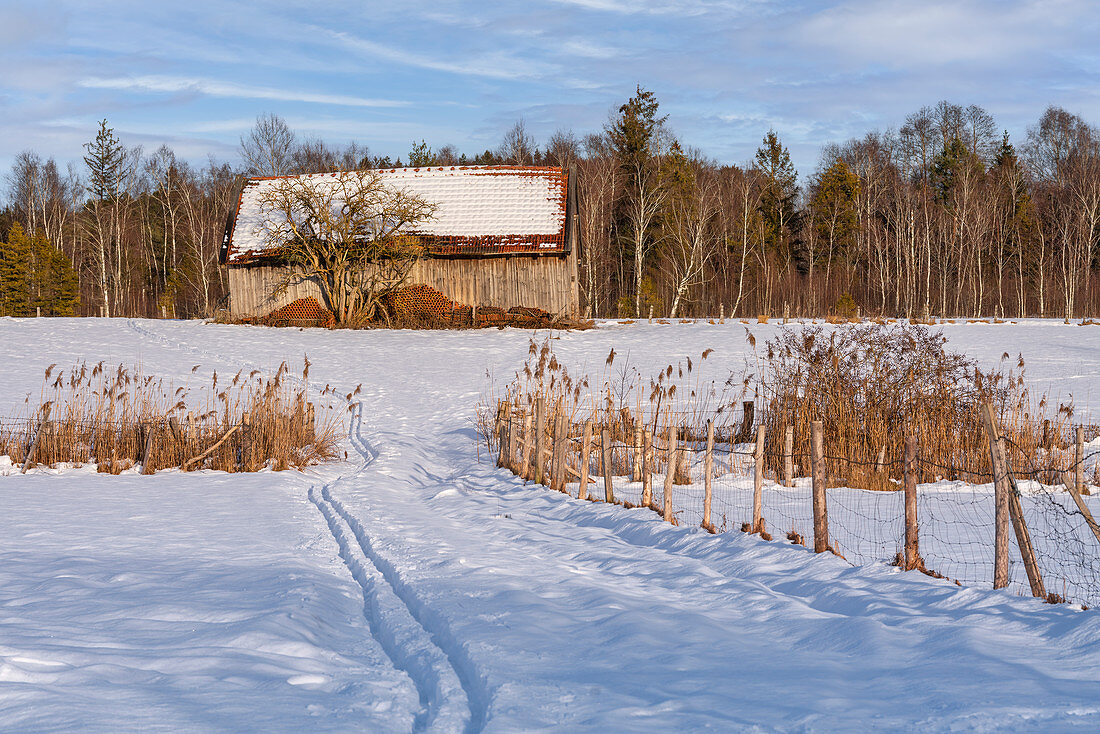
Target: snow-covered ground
x: 414, y: 587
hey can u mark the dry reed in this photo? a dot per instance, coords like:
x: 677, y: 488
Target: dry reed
x: 118, y: 418
x: 871, y: 384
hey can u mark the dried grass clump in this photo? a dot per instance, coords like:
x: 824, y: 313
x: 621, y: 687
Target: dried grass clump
x: 873, y: 384
x: 118, y: 418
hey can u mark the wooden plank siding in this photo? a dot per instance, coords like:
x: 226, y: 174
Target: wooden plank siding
x: 548, y: 282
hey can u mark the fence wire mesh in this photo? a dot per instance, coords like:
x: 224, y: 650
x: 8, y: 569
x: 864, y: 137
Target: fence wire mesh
x: 955, y: 518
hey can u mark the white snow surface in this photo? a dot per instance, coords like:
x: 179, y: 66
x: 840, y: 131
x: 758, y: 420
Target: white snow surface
x: 414, y: 587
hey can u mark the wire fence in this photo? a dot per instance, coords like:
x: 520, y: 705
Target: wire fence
x: 723, y: 485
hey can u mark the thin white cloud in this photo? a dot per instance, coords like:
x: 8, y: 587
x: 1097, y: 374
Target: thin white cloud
x: 588, y: 49
x: 655, y: 7
x: 495, y: 65
x: 214, y: 88
x: 937, y: 32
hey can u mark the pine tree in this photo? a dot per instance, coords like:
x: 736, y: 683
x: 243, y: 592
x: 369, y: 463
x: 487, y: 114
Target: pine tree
x: 634, y: 139
x: 54, y: 283
x: 835, y: 220
x: 15, y: 290
x: 421, y: 155
x: 779, y: 196
x: 952, y: 163
x: 105, y: 160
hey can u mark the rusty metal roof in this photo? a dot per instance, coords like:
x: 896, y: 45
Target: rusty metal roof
x: 480, y: 210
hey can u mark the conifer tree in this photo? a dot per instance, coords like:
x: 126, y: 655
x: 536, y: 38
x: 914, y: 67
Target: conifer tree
x: 421, y: 155
x: 955, y: 161
x: 106, y: 161
x: 835, y: 220
x: 634, y: 137
x: 14, y: 280
x: 779, y: 197
x: 54, y: 282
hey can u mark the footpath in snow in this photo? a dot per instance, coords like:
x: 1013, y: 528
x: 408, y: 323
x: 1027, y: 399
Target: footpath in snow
x: 416, y: 588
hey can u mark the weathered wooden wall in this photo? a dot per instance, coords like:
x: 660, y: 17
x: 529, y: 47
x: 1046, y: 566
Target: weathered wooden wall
x: 546, y: 282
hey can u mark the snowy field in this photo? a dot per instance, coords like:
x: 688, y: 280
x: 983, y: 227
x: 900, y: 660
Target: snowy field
x: 413, y: 587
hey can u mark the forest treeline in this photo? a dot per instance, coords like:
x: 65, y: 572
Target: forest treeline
x: 943, y: 216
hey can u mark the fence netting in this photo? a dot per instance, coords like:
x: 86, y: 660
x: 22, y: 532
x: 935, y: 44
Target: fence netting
x: 955, y: 518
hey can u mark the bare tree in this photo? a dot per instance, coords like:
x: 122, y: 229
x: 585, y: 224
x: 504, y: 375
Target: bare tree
x: 518, y: 146
x: 691, y: 239
x: 268, y: 148
x: 563, y: 149
x: 597, y: 193
x: 347, y: 233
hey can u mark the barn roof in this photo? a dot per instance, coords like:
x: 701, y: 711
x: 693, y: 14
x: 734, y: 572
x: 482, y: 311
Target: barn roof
x: 480, y: 210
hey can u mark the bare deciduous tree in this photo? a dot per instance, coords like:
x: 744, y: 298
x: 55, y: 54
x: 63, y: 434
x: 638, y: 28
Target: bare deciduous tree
x: 518, y: 146
x: 348, y: 233
x: 268, y: 148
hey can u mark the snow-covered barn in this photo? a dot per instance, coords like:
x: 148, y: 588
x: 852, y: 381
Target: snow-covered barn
x: 501, y: 236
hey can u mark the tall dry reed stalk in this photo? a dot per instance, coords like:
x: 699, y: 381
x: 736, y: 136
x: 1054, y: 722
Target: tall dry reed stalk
x: 621, y: 398
x: 116, y: 418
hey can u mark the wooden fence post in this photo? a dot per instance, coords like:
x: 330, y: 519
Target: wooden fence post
x: 150, y: 432
x: 244, y: 448
x: 586, y: 450
x: 708, y: 474
x: 788, y: 457
x: 29, y: 460
x: 670, y: 475
x: 912, y: 548
x: 1000, y: 498
x: 821, y: 513
x: 758, y: 482
x: 503, y: 459
x: 636, y: 465
x: 526, y: 440
x: 561, y: 439
x: 605, y: 452
x: 540, y: 441
x: 1079, y: 458
x: 748, y: 417
x: 513, y: 436
x: 1076, y: 494
x: 647, y: 469
x: 1023, y: 540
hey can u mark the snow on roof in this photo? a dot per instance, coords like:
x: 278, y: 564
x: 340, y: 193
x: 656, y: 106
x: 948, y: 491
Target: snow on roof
x: 479, y: 210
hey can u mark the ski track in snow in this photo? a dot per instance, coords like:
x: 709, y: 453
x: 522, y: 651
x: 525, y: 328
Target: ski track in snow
x: 450, y: 689
x: 445, y: 678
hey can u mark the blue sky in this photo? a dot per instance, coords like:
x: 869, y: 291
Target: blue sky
x: 195, y: 75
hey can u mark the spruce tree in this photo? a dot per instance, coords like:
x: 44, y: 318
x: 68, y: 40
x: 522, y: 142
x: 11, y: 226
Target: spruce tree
x: 15, y: 290
x: 54, y: 283
x: 105, y: 160
x: 634, y: 139
x: 779, y: 197
x: 834, y: 208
